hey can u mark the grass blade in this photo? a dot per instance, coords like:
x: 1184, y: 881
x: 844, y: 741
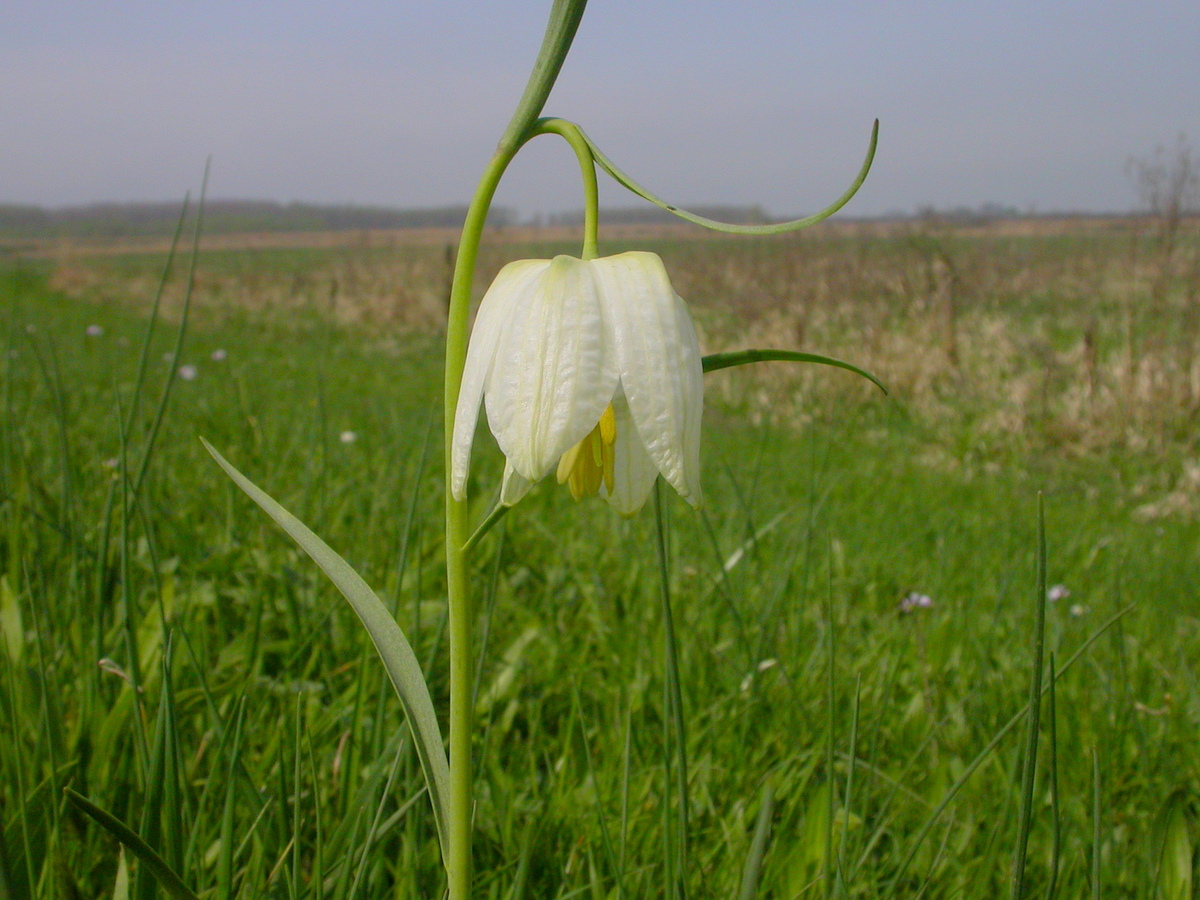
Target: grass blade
x: 1012, y: 723
x: 752, y: 871
x: 1095, y: 824
x: 395, y: 651
x: 154, y: 863
x: 1029, y: 770
x: 674, y: 711
x: 1056, y: 838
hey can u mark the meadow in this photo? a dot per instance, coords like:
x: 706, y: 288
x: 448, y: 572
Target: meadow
x: 854, y: 609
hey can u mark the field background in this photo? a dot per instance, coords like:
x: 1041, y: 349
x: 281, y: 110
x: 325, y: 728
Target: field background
x: 173, y: 657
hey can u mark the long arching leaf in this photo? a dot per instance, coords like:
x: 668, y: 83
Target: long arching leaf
x: 715, y: 361
x: 712, y: 224
x: 395, y: 651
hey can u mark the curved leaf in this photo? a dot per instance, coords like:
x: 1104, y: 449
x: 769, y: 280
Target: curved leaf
x: 775, y: 228
x: 154, y: 863
x: 715, y: 361
x: 394, y: 649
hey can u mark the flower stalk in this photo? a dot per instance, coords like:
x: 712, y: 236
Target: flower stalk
x: 613, y: 277
x: 564, y: 20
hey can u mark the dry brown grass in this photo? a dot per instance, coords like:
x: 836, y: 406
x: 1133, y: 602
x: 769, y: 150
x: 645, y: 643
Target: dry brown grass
x: 1031, y: 334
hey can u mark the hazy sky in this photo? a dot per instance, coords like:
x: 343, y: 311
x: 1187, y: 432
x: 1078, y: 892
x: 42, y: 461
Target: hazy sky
x: 1028, y: 103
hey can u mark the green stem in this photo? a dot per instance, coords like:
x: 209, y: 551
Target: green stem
x: 564, y: 20
x: 587, y: 169
x: 560, y: 31
x: 673, y: 700
x: 458, y: 865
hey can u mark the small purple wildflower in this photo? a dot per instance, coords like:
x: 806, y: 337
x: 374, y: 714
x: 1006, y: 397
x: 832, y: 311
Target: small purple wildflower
x: 915, y: 600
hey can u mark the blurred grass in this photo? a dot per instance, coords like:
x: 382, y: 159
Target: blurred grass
x: 277, y: 763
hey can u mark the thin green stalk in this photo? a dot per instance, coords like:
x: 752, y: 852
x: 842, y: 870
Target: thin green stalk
x: 294, y: 883
x: 1095, y: 824
x: 458, y: 865
x: 841, y: 863
x: 22, y: 798
x: 129, y: 630
x: 625, y: 763
x: 605, y: 840
x: 1029, y: 770
x: 560, y: 31
x: 225, y: 855
x: 587, y: 168
x: 674, y: 712
x: 144, y: 358
x: 318, y: 869
x: 971, y: 767
x: 373, y: 830
x: 1056, y: 838
x: 180, y: 334
x: 831, y: 725
x: 752, y: 870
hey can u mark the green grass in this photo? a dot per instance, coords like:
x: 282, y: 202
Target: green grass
x: 243, y: 726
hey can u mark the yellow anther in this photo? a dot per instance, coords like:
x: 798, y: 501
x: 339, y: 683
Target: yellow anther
x: 589, y: 463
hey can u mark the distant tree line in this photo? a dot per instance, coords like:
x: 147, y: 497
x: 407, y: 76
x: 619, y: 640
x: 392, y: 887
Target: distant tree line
x: 224, y: 217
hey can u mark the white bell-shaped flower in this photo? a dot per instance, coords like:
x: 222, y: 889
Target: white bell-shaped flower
x: 588, y: 368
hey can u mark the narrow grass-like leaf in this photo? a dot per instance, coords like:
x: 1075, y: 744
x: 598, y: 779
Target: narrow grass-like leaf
x: 152, y: 812
x: 12, y: 632
x: 165, y: 397
x: 170, y: 881
x: 318, y: 867
x: 1056, y: 824
x: 830, y: 733
x: 625, y: 767
x: 776, y: 228
x: 1029, y: 770
x: 1175, y: 850
x: 1095, y: 824
x: 226, y: 855
x: 592, y: 774
x: 121, y: 887
x: 22, y: 796
x: 139, y: 381
x: 851, y: 756
x: 397, y: 655
x: 294, y: 883
x: 521, y: 879
x: 373, y: 830
x: 674, y: 711
x: 714, y: 362
x: 1000, y: 735
x: 752, y: 869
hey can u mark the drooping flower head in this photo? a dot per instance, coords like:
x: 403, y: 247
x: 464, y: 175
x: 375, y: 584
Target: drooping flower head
x: 587, y: 368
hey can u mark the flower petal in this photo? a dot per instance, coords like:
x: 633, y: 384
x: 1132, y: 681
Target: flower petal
x: 514, y: 486
x: 553, y: 372
x: 633, y: 471
x: 511, y: 285
x: 658, y: 357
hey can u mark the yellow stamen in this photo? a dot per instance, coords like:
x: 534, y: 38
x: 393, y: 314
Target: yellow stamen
x: 589, y: 463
